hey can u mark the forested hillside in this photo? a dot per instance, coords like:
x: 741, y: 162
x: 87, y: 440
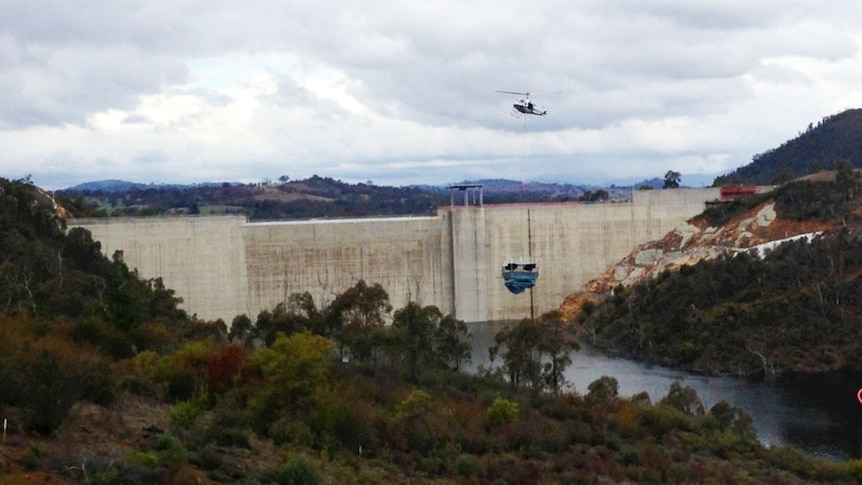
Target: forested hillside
x: 798, y: 308
x: 819, y: 147
x: 315, y: 197
x: 104, y: 380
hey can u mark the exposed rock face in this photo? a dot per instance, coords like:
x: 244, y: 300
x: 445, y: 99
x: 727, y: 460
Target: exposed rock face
x: 688, y: 244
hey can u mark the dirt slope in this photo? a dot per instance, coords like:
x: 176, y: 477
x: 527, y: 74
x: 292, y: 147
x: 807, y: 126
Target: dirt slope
x: 690, y: 243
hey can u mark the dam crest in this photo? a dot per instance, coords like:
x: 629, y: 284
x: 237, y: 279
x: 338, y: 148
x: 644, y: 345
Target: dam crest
x: 224, y: 266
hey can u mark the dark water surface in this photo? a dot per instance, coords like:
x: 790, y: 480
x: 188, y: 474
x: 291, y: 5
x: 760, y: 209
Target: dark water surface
x: 819, y: 415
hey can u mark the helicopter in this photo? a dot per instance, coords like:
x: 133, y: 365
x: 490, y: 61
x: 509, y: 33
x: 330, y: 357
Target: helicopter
x: 525, y: 105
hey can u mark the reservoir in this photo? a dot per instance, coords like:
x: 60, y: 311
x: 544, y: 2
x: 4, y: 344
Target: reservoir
x: 818, y: 415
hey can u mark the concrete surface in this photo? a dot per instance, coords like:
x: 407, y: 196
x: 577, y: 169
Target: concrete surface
x: 223, y: 266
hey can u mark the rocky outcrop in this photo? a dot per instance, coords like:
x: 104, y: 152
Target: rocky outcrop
x: 690, y: 243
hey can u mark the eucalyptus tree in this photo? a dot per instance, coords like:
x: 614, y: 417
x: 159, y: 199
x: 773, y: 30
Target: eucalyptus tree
x: 429, y: 340
x: 536, y: 353
x: 556, y: 345
x: 671, y: 179
x: 452, y: 342
x: 353, y: 318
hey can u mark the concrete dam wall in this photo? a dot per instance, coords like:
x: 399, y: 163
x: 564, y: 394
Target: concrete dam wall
x: 223, y: 266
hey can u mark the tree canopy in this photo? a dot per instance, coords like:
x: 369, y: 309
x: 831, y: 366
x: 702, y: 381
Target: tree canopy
x: 819, y: 147
x: 115, y: 384
x: 748, y: 314
x: 671, y: 179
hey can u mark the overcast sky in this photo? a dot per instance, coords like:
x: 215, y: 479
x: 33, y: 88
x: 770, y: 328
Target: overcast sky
x: 402, y: 92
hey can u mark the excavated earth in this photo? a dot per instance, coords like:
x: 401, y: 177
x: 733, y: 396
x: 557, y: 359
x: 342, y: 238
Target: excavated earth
x: 690, y: 243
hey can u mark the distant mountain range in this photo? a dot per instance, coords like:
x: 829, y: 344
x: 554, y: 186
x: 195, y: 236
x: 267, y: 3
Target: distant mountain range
x: 113, y: 185
x: 834, y: 138
x: 489, y: 185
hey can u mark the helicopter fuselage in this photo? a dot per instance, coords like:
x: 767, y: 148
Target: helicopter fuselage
x: 527, y: 107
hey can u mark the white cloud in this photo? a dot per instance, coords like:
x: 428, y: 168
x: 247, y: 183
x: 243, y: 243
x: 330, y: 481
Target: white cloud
x: 403, y: 92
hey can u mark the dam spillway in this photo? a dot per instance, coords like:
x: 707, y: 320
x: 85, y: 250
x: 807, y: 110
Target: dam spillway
x: 223, y: 266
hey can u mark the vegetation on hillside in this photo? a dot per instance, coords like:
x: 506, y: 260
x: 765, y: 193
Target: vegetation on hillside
x: 105, y: 380
x: 834, y: 138
x: 315, y: 197
x: 797, y: 309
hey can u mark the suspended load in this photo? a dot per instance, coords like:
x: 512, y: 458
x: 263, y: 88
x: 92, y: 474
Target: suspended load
x: 520, y: 275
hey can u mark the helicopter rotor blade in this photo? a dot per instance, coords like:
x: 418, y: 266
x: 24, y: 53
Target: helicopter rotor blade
x: 528, y: 94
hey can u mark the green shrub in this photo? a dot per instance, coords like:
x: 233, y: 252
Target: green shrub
x: 54, y: 374
x: 465, y: 465
x: 172, y: 453
x: 208, y: 458
x: 30, y: 457
x: 184, y: 414
x: 502, y: 411
x: 603, y: 390
x: 684, y: 399
x: 227, y: 424
x: 139, y: 374
x: 286, y: 430
x: 297, y: 472
x: 433, y: 465
x: 350, y: 430
x: 103, y: 335
x: 717, y: 215
x: 685, y: 352
x: 106, y: 476
x: 661, y: 419
x: 629, y: 456
x: 146, y: 458
x: 185, y: 371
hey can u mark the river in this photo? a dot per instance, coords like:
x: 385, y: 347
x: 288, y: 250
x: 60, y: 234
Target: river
x: 818, y: 415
